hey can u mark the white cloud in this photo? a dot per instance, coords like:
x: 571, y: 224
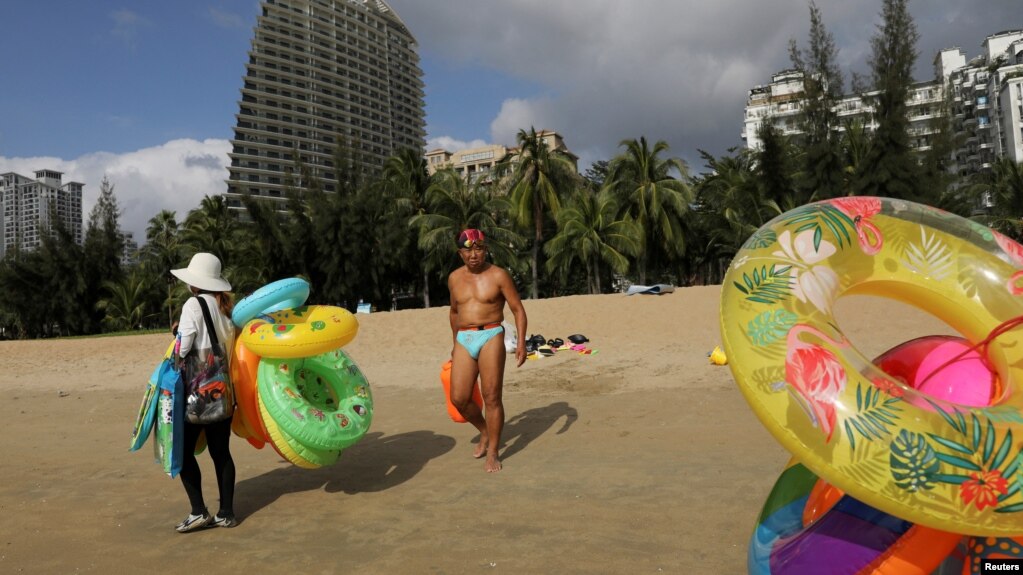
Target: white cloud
x: 173, y: 176
x: 451, y: 144
x: 673, y: 70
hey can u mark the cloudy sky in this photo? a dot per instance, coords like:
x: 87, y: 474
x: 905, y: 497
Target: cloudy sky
x: 144, y: 92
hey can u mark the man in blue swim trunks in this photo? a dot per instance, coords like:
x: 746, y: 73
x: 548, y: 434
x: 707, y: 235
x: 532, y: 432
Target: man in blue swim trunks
x: 479, y: 291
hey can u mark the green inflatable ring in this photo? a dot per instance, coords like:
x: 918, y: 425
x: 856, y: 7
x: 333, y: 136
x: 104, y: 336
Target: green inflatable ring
x: 322, y: 402
x: 292, y: 450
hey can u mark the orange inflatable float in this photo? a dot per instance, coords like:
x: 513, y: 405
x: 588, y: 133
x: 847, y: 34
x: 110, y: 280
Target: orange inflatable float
x: 445, y: 379
x: 247, y: 424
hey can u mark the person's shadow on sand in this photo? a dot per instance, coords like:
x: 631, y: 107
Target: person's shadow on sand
x: 377, y: 462
x: 522, y: 429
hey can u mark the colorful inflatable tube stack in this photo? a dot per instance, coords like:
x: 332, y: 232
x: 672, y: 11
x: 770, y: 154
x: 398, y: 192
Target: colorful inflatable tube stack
x: 908, y: 464
x: 296, y: 387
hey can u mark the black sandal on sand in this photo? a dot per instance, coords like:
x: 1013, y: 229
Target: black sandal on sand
x: 556, y: 342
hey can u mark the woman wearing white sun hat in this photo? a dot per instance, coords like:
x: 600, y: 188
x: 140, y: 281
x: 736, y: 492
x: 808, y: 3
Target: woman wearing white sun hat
x: 203, y: 277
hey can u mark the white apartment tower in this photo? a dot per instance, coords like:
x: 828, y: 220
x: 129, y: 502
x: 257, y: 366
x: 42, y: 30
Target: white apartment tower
x: 324, y: 75
x: 31, y: 207
x: 985, y: 93
x: 987, y: 101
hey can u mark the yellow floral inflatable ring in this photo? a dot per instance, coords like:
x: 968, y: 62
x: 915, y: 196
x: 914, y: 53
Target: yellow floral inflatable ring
x: 300, y: 332
x: 935, y: 462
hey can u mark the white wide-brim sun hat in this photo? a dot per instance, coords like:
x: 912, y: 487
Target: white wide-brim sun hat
x: 203, y: 272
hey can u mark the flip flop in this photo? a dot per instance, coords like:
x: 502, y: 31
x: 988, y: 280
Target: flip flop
x: 556, y: 342
x: 545, y: 350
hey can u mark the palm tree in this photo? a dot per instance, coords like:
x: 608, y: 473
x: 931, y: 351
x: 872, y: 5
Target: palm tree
x: 126, y: 307
x: 453, y: 205
x: 209, y: 228
x: 732, y: 194
x: 539, y: 176
x: 589, y: 230
x: 405, y: 181
x: 162, y: 249
x: 1001, y: 190
x: 657, y: 199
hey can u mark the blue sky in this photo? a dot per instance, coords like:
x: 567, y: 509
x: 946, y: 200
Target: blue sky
x: 144, y: 92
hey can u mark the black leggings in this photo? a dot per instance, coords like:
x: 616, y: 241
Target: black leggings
x: 217, y: 437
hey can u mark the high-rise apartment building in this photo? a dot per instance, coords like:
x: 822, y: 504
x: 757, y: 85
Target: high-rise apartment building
x: 782, y: 103
x: 984, y: 97
x: 31, y: 207
x: 324, y: 77
x: 987, y: 101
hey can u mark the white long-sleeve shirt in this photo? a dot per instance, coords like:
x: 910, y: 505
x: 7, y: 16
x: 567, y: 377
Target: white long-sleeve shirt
x: 192, y: 327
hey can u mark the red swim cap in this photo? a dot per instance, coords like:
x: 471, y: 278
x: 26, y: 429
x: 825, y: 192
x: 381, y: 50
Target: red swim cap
x: 470, y: 236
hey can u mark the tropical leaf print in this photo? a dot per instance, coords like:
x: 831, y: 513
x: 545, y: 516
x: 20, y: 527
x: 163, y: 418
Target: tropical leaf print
x: 973, y: 460
x: 955, y: 419
x: 770, y: 326
x: 930, y: 258
x: 820, y: 217
x: 1015, y: 486
x: 766, y: 285
x: 873, y: 416
x: 762, y: 238
x: 913, y: 462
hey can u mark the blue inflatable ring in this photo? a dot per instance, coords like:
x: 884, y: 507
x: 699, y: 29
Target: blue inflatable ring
x: 282, y: 294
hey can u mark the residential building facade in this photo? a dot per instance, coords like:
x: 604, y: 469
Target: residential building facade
x: 983, y: 96
x: 987, y: 101
x: 480, y: 162
x: 324, y: 78
x: 31, y: 207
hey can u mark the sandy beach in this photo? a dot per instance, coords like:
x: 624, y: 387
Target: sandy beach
x: 640, y: 458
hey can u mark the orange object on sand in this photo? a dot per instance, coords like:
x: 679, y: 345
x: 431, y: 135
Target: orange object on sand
x: 445, y: 379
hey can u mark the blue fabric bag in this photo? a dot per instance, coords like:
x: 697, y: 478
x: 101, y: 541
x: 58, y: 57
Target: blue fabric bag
x: 170, y: 418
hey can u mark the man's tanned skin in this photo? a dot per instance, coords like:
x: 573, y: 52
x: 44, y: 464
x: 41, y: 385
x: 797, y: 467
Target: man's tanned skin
x: 479, y: 291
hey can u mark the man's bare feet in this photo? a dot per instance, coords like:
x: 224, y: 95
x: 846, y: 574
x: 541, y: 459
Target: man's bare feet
x: 481, y: 448
x: 493, y: 464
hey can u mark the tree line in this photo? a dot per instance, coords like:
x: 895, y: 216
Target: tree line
x: 640, y: 216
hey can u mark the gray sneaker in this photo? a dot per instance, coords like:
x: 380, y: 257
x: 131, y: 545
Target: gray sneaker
x: 194, y: 522
x: 224, y: 521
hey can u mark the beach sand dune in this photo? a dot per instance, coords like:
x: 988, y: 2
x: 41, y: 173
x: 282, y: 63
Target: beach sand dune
x: 642, y: 457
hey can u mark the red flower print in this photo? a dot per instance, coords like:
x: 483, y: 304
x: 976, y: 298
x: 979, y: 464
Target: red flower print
x: 983, y: 488
x: 888, y: 386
